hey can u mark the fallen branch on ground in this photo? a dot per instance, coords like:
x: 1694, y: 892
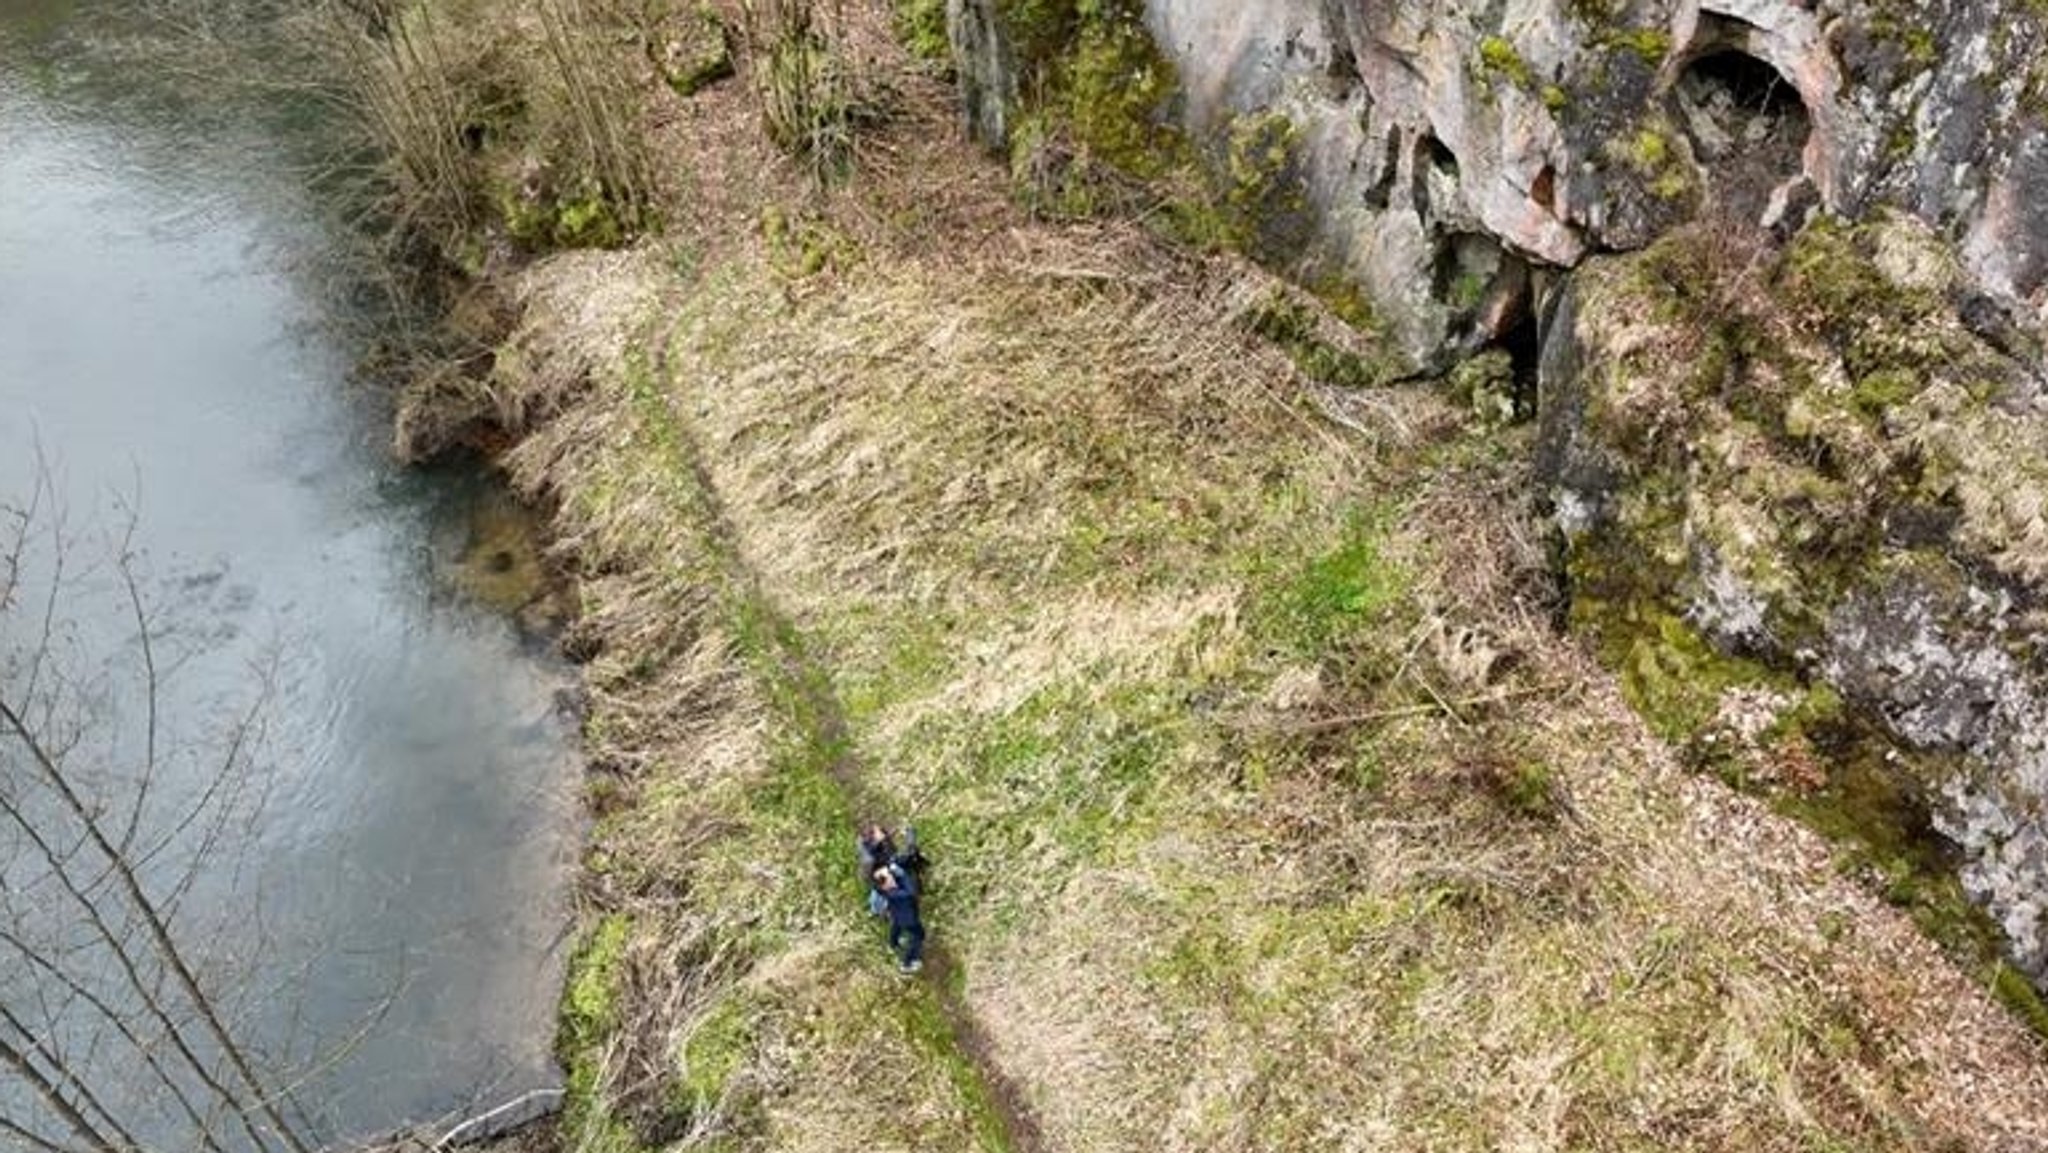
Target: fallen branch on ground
x: 1438, y: 704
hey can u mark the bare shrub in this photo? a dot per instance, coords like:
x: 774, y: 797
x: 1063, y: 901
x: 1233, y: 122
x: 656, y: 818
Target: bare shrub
x: 533, y: 123
x: 114, y: 1032
x: 814, y: 98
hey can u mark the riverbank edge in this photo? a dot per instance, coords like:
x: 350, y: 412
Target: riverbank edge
x: 596, y: 962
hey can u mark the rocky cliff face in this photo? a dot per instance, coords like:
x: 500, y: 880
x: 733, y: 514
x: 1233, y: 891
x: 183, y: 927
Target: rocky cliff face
x: 1801, y: 465
x: 1803, y: 506
x: 1448, y: 150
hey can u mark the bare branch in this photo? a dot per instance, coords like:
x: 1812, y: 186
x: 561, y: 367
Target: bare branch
x: 15, y: 1059
x: 122, y: 952
x: 166, y: 948
x: 151, y: 686
x: 36, y: 959
x: 67, y: 1072
x: 33, y: 1140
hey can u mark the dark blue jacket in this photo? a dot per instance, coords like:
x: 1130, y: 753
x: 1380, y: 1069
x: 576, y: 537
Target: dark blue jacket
x: 902, y: 900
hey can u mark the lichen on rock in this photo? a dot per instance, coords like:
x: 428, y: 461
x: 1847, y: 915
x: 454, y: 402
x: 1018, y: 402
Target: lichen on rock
x: 1808, y: 459
x: 1557, y: 128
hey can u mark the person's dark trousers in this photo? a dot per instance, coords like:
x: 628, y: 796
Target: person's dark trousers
x: 910, y: 940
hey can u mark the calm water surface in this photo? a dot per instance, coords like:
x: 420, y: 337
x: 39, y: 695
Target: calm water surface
x: 167, y: 348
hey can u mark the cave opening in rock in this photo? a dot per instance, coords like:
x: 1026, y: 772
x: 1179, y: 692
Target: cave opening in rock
x: 1432, y: 161
x: 1748, y: 127
x: 1522, y: 340
x: 1440, y: 155
x: 1543, y: 189
x: 1751, y: 87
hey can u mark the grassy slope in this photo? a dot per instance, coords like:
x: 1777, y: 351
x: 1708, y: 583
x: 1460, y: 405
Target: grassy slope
x: 1266, y: 817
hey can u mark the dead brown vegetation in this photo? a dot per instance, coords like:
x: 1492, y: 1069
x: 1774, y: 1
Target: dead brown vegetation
x: 1270, y: 813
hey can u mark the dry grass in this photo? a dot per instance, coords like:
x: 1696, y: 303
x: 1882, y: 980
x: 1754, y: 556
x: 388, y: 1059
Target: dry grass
x: 1093, y: 584
x: 738, y: 1002
x: 1182, y: 927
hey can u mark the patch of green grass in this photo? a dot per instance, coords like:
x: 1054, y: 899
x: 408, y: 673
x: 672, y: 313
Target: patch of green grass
x: 1045, y: 789
x: 1203, y: 963
x: 932, y: 1034
x: 1886, y: 388
x: 1292, y: 326
x: 921, y: 26
x: 801, y: 248
x: 885, y: 657
x: 1334, y: 598
x: 718, y: 1047
x: 2019, y: 995
x: 809, y: 743
x: 589, y: 1001
x: 1529, y: 788
x: 588, y: 1016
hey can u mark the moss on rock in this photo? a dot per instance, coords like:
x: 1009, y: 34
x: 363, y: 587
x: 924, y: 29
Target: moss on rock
x: 1772, y: 426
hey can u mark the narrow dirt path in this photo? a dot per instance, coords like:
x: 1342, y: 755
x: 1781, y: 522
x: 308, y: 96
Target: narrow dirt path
x: 1020, y: 1129
x: 1020, y: 1125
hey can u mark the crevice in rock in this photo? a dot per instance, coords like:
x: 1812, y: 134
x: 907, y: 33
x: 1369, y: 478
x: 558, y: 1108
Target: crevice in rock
x: 1381, y: 191
x: 1342, y: 68
x: 1522, y: 340
x: 1431, y: 158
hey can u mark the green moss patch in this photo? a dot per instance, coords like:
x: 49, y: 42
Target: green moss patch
x: 589, y: 1016
x: 1497, y: 57
x: 1334, y: 600
x: 921, y: 25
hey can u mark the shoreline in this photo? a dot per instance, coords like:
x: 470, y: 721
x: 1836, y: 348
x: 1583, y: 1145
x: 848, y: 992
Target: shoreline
x: 737, y: 664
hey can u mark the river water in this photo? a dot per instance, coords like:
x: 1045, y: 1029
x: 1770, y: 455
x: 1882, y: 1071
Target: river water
x: 384, y: 912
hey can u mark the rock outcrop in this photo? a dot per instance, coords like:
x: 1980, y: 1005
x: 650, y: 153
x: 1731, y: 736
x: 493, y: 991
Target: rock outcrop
x: 1446, y: 150
x: 1796, y: 481
x: 1801, y: 465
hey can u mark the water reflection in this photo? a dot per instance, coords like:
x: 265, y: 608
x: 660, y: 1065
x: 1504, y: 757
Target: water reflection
x: 400, y: 891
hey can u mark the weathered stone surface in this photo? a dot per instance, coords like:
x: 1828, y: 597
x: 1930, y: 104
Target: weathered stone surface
x: 1839, y: 483
x: 1557, y: 128
x: 986, y: 68
x: 1831, y: 466
x: 1945, y: 660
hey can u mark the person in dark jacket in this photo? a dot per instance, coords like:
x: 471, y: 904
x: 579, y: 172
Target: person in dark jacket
x: 898, y: 890
x: 877, y: 850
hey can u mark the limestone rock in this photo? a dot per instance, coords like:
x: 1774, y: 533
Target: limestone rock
x: 1826, y: 481
x: 1545, y: 130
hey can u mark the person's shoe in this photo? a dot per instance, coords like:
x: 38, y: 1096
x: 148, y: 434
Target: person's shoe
x: 912, y: 966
